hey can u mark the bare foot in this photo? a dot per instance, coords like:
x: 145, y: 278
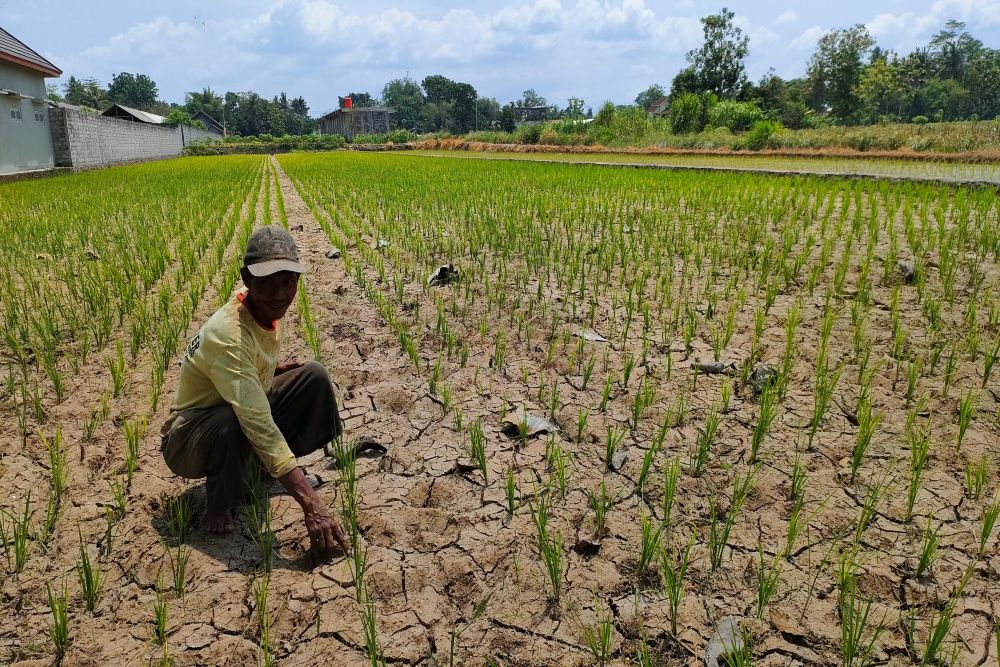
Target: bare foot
x: 219, y: 522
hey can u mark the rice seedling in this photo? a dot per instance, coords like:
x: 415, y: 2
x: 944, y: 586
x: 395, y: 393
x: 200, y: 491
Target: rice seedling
x: 990, y: 359
x: 859, y: 629
x: 581, y: 423
x: 920, y: 447
x: 510, y: 488
x: 929, y: 552
x: 673, y: 570
x: 606, y: 394
x: 598, y: 640
x: 870, y: 504
x: 740, y: 653
x: 477, y: 612
x: 178, y: 515
x: 90, y: 576
x: 826, y: 383
x: 703, y: 445
x: 768, y: 577
x: 600, y: 502
x: 611, y: 445
x: 256, y: 513
x: 976, y: 474
x: 116, y: 366
x: 868, y: 422
x: 59, y: 630
x: 768, y: 411
x: 134, y: 431
x: 160, y: 615
x: 798, y: 478
x: 966, y: 411
x: 178, y: 567
x: 260, y: 590
x: 991, y: 513
x: 478, y: 447
x: 550, y: 547
x: 649, y: 546
x: 19, y: 534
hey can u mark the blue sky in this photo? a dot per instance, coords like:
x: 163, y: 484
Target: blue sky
x: 594, y: 49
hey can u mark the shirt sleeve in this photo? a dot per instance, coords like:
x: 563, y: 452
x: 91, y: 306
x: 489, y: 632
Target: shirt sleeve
x: 235, y: 377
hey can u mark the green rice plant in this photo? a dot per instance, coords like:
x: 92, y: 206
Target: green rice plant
x: 719, y: 530
x: 257, y: 514
x: 116, y: 366
x: 611, y: 445
x: 606, y: 393
x: 673, y: 569
x: 627, y: 368
x: 912, y: 376
x: 990, y: 359
x: 260, y: 592
x: 598, y: 640
x: 826, y: 383
x: 671, y: 476
x: 649, y: 456
x: 178, y: 567
x: 649, y: 546
x: 645, y: 396
x: 134, y: 431
x: 740, y: 654
x: 20, y: 532
x: 859, y: 630
x: 510, y: 488
x: 950, y: 365
x: 588, y: 371
x: 160, y: 615
x: 178, y: 515
x: 798, y: 478
x: 871, y: 503
x: 929, y: 552
x: 976, y: 474
x: 477, y: 611
x: 868, y: 422
x: 938, y: 629
x: 791, y: 325
x: 768, y: 577
x: 90, y: 576
x: 990, y: 515
x: 119, y: 499
x: 920, y: 447
x: 966, y: 411
x: 600, y: 502
x: 768, y: 411
x: 703, y: 445
x: 478, y: 446
x: 59, y: 630
x: 581, y: 423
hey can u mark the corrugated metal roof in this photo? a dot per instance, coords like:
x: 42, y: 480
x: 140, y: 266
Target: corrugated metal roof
x: 357, y: 110
x: 14, y: 50
x: 142, y: 116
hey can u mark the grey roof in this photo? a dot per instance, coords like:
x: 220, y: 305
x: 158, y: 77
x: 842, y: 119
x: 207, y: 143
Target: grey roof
x: 358, y: 110
x: 141, y: 116
x: 14, y: 50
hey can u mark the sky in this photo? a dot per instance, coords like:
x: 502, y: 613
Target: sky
x: 595, y: 49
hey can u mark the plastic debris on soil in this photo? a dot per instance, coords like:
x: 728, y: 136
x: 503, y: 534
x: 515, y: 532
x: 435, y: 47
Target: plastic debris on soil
x: 762, y: 376
x: 333, y: 253
x: 710, y: 368
x: 590, y: 335
x: 443, y: 275
x: 535, y: 425
x: 618, y: 460
x: 726, y: 640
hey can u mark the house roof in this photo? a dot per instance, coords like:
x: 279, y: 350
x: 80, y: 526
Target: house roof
x: 357, y: 110
x: 14, y: 50
x: 207, y: 119
x: 660, y: 106
x: 119, y: 110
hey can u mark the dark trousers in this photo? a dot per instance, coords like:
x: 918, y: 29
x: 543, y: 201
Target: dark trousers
x: 209, y: 443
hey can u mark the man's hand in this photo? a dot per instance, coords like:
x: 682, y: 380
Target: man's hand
x: 287, y: 366
x: 325, y: 533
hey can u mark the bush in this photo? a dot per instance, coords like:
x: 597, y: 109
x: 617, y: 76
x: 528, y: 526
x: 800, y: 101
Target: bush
x: 759, y: 136
x: 548, y: 137
x: 528, y: 134
x: 370, y: 138
x: 920, y: 120
x: 606, y: 116
x: 686, y: 114
x: 402, y: 136
x: 736, y: 116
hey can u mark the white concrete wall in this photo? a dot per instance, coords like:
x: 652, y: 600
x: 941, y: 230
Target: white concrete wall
x: 83, y: 139
x: 25, y: 139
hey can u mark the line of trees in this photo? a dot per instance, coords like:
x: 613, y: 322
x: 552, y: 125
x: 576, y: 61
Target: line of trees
x: 848, y: 79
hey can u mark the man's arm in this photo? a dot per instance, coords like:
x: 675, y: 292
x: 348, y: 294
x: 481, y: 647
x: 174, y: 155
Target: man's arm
x: 324, y: 531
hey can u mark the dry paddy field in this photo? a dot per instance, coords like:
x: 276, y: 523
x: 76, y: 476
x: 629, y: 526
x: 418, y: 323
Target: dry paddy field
x: 657, y: 416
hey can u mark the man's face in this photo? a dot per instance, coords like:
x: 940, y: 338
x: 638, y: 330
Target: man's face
x: 273, y: 294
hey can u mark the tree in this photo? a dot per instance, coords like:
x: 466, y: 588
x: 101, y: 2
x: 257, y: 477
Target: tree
x: 406, y: 97
x: 506, y: 118
x: 835, y: 70
x: 52, y: 93
x: 530, y: 98
x: 574, y: 108
x: 299, y: 106
x: 179, y: 117
x: 952, y: 49
x: 719, y: 64
x: 206, y: 100
x: 133, y: 90
x: 646, y: 98
x: 87, y: 93
x: 454, y: 104
x: 880, y: 90
x: 358, y: 100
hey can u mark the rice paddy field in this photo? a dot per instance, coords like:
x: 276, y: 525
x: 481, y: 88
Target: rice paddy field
x: 651, y: 417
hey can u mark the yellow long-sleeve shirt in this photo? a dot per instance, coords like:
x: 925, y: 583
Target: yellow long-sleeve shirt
x: 232, y: 360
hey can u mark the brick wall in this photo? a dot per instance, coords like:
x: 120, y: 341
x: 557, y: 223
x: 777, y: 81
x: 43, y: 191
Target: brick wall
x: 81, y: 139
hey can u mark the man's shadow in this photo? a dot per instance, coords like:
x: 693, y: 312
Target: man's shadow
x: 237, y: 551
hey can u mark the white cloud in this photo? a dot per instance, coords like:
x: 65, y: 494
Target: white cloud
x: 787, y: 16
x: 807, y: 40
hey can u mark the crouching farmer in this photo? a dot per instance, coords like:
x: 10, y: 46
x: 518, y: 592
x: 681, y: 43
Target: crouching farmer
x: 234, y: 402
